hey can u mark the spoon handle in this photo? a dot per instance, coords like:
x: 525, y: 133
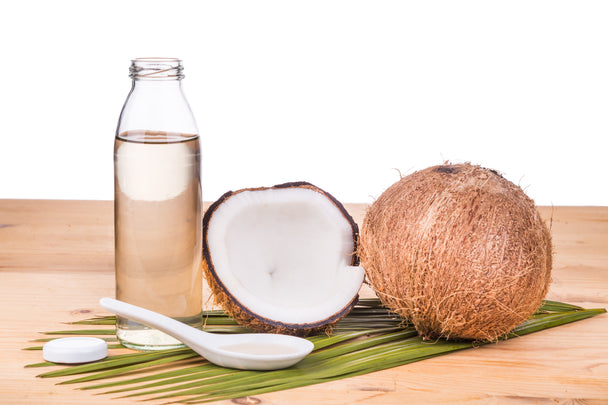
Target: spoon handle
x: 182, y: 332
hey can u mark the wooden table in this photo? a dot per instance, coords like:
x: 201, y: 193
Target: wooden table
x: 56, y: 261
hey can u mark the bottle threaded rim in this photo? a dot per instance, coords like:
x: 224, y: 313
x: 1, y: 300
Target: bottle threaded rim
x: 156, y: 68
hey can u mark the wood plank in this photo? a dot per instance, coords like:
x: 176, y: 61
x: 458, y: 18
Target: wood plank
x: 56, y: 261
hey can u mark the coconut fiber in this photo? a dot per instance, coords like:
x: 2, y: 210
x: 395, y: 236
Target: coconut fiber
x: 458, y: 250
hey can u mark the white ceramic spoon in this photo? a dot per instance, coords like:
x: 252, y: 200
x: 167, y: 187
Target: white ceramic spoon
x: 246, y: 351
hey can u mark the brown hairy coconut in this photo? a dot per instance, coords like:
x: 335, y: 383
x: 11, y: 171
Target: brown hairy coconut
x: 457, y: 250
x: 282, y: 259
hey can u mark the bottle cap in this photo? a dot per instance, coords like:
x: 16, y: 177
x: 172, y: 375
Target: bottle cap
x: 75, y: 350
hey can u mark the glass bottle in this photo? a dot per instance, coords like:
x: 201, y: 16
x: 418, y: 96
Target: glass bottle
x: 157, y: 203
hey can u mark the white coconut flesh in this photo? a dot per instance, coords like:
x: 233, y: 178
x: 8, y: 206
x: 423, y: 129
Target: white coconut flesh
x: 284, y: 254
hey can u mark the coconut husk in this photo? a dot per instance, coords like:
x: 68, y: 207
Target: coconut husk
x: 459, y: 251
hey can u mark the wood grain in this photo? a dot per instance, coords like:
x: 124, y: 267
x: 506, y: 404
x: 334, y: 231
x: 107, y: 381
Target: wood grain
x: 56, y: 261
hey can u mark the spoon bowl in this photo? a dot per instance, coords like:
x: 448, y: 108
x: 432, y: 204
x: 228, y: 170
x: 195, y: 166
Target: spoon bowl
x: 245, y: 351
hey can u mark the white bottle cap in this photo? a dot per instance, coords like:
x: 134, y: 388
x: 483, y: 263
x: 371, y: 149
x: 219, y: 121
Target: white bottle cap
x: 75, y: 350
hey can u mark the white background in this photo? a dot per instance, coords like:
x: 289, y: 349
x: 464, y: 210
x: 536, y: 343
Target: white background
x: 344, y: 94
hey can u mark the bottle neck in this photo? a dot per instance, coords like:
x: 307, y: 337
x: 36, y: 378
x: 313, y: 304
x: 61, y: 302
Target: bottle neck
x: 156, y: 102
x: 155, y: 86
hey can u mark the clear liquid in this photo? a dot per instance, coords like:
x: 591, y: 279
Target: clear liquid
x: 157, y: 232
x: 259, y: 348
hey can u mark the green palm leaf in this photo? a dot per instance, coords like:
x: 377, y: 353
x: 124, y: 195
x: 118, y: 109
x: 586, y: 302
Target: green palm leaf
x: 371, y: 338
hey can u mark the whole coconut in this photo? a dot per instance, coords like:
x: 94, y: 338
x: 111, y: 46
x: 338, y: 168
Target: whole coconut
x: 458, y: 250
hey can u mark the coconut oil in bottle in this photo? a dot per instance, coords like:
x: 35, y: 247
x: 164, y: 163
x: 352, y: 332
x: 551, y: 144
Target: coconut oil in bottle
x: 157, y: 204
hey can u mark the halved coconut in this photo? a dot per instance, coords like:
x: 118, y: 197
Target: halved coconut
x: 282, y: 259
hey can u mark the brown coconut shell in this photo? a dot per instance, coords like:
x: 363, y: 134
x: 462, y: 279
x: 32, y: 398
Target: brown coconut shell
x: 459, y: 251
x: 243, y: 315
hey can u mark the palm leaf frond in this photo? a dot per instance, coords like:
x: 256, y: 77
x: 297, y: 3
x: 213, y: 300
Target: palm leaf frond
x: 371, y: 338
